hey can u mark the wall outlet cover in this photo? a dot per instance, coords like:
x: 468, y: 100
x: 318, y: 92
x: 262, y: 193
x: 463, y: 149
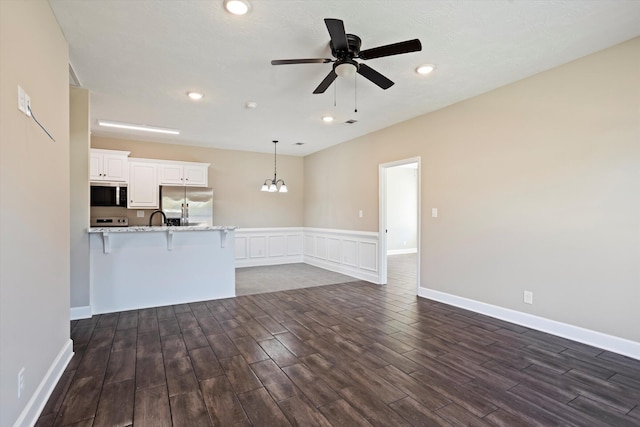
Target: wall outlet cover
x: 528, y: 297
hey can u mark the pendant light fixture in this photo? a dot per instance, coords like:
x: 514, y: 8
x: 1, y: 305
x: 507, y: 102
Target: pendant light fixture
x: 274, y: 185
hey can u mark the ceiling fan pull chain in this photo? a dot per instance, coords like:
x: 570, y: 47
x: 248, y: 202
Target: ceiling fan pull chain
x: 335, y: 91
x: 355, y: 82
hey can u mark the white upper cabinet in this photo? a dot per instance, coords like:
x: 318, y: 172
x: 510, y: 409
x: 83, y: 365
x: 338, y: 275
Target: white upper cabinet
x: 143, y: 191
x: 183, y: 173
x: 108, y: 165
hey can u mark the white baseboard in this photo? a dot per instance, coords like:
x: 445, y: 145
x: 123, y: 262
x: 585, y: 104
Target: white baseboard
x: 256, y: 262
x: 80, y: 312
x: 402, y: 251
x: 356, y: 273
x: 575, y: 333
x: 36, y: 404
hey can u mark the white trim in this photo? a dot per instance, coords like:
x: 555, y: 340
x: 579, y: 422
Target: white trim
x: 340, y: 232
x: 36, y: 404
x: 382, y: 216
x: 402, y: 251
x: 80, y: 312
x: 564, y: 330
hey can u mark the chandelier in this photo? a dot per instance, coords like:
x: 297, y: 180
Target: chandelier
x: 274, y: 185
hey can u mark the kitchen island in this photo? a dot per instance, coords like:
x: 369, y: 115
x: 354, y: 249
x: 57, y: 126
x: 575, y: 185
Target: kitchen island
x: 141, y: 267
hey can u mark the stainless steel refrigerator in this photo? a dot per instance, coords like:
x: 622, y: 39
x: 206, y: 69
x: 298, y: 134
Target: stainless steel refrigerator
x: 187, y: 205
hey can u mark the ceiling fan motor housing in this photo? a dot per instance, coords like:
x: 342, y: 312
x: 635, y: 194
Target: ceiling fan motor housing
x: 354, y: 42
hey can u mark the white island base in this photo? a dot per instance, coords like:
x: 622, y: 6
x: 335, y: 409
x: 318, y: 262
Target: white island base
x: 142, y: 267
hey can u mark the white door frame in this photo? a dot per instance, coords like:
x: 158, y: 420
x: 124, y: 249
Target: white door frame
x: 382, y: 231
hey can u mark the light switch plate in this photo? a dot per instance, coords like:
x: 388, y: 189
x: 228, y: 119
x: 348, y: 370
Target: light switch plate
x: 21, y: 101
x: 434, y: 212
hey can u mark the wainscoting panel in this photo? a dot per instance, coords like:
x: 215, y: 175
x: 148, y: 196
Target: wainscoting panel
x: 354, y: 253
x: 242, y: 248
x: 368, y: 256
x: 258, y: 246
x: 268, y: 246
x: 277, y: 246
x: 335, y: 254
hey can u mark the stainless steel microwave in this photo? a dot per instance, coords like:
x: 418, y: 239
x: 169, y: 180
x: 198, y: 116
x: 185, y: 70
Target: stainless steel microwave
x: 109, y: 194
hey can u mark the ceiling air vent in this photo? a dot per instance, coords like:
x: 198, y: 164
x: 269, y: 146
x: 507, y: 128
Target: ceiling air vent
x: 350, y: 121
x: 299, y: 143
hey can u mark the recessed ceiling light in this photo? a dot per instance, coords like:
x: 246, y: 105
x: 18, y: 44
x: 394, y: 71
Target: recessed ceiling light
x: 237, y: 7
x: 196, y: 96
x: 145, y: 128
x: 425, y: 69
x: 251, y: 104
x: 327, y: 119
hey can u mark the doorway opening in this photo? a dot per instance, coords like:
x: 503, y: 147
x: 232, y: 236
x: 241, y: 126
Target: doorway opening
x: 399, y: 228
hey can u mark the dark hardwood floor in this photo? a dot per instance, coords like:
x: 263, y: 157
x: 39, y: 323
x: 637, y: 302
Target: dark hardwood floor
x: 353, y: 354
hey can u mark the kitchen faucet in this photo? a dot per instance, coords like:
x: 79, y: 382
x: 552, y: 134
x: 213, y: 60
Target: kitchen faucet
x: 164, y: 217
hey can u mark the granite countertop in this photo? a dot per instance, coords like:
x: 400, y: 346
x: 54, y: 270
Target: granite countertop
x: 142, y: 228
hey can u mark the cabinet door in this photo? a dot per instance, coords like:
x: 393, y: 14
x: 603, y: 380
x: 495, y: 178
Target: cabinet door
x: 95, y: 167
x: 114, y: 167
x: 143, y: 185
x: 196, y: 175
x: 171, y: 174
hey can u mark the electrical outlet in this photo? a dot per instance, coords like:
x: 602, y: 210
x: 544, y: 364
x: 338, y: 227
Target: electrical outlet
x: 360, y: 213
x: 21, y: 103
x: 140, y: 214
x: 20, y: 382
x: 528, y: 297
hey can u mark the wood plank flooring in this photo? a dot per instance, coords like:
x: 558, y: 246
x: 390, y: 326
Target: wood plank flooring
x: 352, y: 354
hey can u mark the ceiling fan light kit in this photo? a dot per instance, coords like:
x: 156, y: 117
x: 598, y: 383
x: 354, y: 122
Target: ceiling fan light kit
x: 345, y: 48
x: 345, y: 69
x: 327, y: 119
x: 274, y: 185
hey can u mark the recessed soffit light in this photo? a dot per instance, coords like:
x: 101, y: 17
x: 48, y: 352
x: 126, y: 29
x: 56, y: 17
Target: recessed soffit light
x: 425, y: 69
x: 131, y: 126
x: 237, y: 7
x: 327, y: 119
x: 196, y: 96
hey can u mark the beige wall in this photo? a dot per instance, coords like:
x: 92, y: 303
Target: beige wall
x: 236, y: 178
x: 537, y: 189
x: 34, y: 200
x: 79, y: 179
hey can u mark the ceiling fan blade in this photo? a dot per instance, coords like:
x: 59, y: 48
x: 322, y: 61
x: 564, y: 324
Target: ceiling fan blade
x: 391, y: 49
x: 326, y: 82
x: 337, y: 33
x: 377, y: 78
x: 300, y: 61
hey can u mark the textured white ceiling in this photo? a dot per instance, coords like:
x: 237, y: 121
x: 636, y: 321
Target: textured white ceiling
x: 138, y: 58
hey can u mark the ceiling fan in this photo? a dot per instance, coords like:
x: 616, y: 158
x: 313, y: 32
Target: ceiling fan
x: 346, y: 48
